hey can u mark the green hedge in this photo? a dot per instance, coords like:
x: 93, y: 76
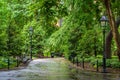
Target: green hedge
x: 4, y: 63
x: 111, y: 63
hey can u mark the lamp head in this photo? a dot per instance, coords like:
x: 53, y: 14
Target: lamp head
x: 103, y: 21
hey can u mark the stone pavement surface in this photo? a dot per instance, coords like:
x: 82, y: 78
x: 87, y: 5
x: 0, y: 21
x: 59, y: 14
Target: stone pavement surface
x: 54, y: 69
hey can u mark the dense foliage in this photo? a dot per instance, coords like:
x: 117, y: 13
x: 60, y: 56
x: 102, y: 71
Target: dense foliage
x: 79, y: 35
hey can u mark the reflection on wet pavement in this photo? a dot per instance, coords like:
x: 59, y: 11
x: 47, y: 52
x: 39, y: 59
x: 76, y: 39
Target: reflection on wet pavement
x: 54, y: 69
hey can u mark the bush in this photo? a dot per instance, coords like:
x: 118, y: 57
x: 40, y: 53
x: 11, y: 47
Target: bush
x: 111, y: 63
x: 94, y: 62
x: 115, y: 64
x: 108, y: 63
x: 4, y: 63
x: 88, y: 59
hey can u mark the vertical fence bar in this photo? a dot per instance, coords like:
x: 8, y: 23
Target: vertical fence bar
x: 97, y: 66
x: 83, y: 63
x: 77, y: 61
x: 8, y: 63
x: 73, y: 60
x: 17, y: 62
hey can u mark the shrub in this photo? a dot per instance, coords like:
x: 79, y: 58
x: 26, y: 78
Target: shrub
x: 4, y: 62
x: 108, y: 63
x: 115, y: 64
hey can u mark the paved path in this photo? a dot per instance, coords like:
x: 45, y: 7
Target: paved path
x: 40, y: 69
x: 54, y: 69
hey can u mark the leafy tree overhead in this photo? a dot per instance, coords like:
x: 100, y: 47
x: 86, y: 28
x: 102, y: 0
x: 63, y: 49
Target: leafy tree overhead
x: 81, y: 17
x: 28, y: 13
x: 79, y: 35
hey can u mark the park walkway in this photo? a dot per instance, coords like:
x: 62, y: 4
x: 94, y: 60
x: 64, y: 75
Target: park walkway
x: 54, y: 69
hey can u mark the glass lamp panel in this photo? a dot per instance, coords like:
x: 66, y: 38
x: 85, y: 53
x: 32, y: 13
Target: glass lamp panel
x: 103, y: 23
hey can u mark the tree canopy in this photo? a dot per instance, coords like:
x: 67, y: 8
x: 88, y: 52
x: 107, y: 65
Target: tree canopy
x: 79, y: 35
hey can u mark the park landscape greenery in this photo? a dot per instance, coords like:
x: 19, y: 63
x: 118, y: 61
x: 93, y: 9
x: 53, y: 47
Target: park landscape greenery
x: 80, y: 34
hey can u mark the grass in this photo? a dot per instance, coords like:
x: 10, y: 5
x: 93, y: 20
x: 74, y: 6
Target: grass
x: 4, y: 62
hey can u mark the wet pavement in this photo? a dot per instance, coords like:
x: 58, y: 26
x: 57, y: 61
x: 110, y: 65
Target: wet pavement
x: 54, y: 69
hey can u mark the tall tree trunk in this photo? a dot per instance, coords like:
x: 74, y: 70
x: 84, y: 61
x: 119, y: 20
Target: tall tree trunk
x: 117, y: 24
x: 113, y: 26
x: 109, y: 40
x: 108, y: 45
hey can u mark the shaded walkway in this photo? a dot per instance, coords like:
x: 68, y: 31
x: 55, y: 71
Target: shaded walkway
x: 54, y: 69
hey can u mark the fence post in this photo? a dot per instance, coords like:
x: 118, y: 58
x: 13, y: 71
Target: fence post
x: 77, y: 61
x: 83, y: 63
x: 17, y: 62
x: 73, y: 60
x: 8, y: 63
x: 97, y: 66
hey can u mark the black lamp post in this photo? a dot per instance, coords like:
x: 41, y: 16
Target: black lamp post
x: 8, y: 45
x: 95, y: 51
x: 31, y: 32
x: 104, y: 21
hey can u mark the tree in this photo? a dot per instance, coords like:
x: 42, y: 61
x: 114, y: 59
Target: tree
x: 4, y: 11
x: 109, y: 40
x: 113, y: 26
x: 76, y: 24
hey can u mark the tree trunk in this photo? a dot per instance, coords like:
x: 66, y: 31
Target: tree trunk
x: 109, y: 40
x: 117, y: 24
x: 113, y: 26
x: 108, y: 45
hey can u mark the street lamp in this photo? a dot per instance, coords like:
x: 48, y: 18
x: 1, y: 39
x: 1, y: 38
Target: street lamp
x: 104, y: 21
x: 95, y: 52
x: 31, y: 32
x: 8, y: 45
